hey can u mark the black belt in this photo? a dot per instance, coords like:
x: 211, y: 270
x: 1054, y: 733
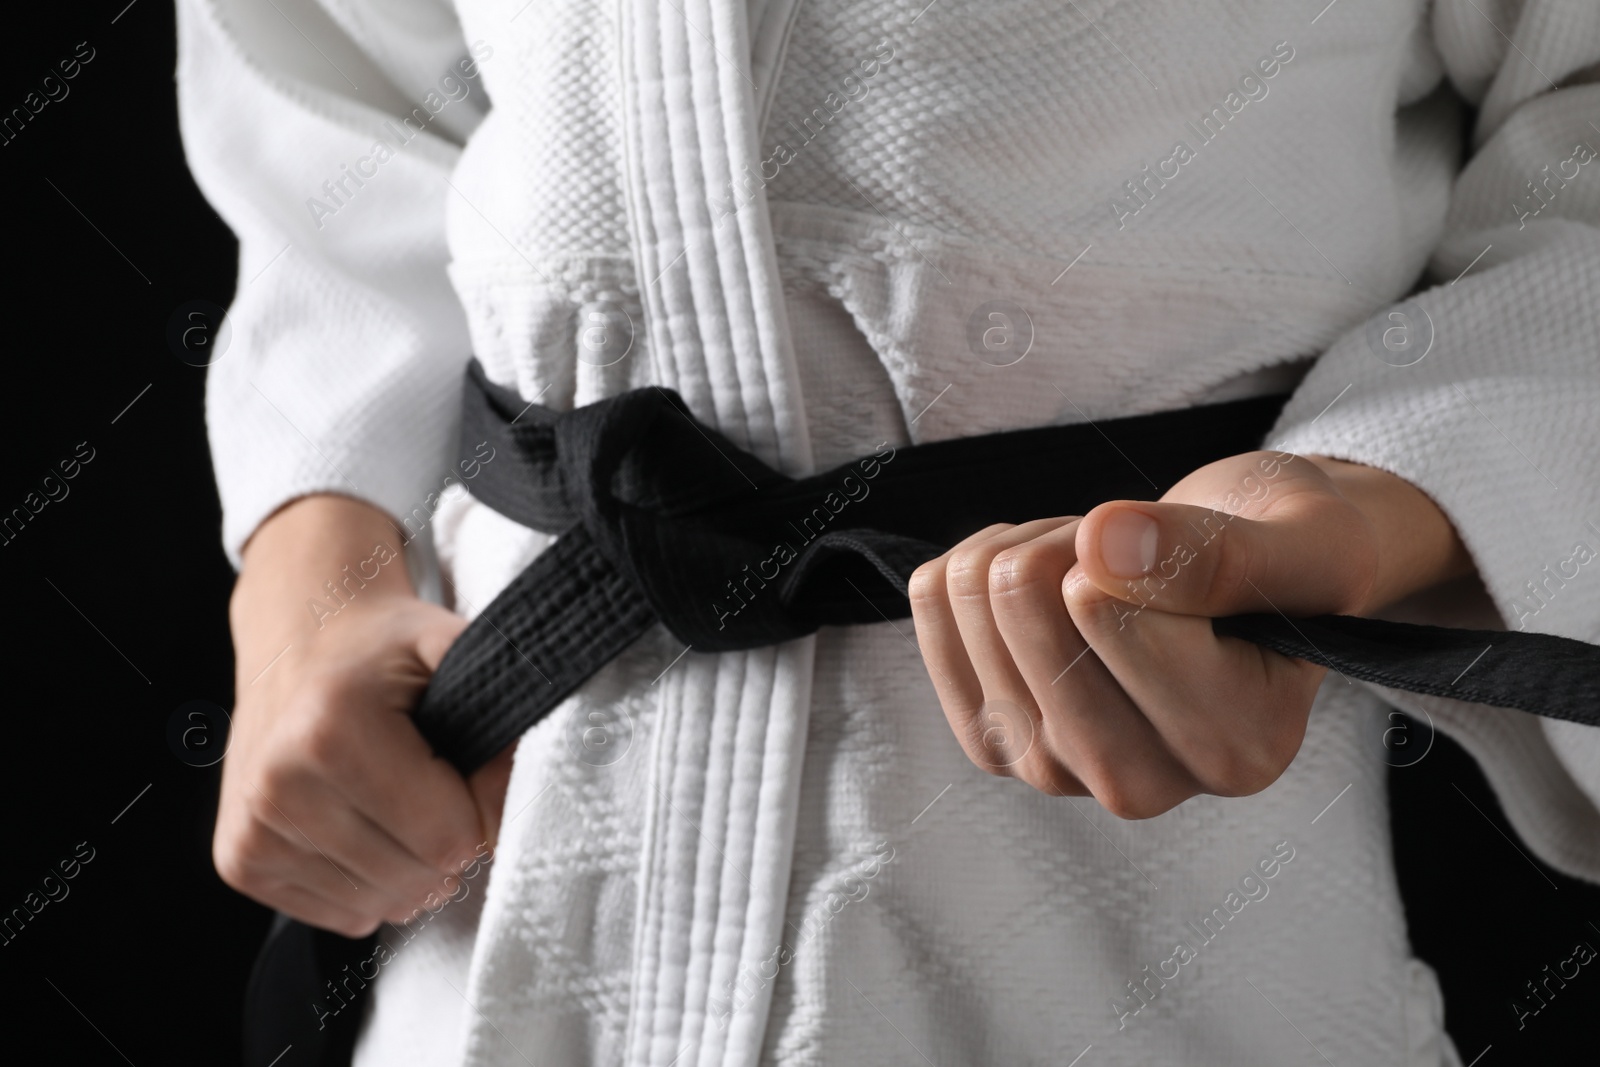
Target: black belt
x: 662, y: 519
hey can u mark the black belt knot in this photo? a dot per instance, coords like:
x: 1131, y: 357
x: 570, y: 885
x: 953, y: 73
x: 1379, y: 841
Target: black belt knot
x: 660, y: 518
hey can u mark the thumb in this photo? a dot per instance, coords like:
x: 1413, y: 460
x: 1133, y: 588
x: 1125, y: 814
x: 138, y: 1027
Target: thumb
x: 488, y: 784
x: 437, y: 630
x: 1311, y: 555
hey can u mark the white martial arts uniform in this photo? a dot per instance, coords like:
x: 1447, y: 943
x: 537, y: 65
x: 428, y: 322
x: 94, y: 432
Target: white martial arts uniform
x: 782, y: 856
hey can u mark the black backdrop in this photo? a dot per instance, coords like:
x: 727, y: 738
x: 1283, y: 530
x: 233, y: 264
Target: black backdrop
x: 115, y: 597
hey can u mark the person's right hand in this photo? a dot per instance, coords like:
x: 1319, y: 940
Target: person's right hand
x: 333, y: 809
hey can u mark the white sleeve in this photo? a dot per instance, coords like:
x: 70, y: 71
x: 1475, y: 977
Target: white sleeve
x: 324, y: 134
x: 1499, y: 419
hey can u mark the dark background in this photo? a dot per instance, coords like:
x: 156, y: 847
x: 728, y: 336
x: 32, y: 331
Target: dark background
x: 116, y: 604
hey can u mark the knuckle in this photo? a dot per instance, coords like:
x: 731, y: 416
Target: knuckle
x: 357, y: 927
x: 1025, y: 569
x: 1047, y: 775
x: 1114, y: 793
x: 1117, y: 805
x: 1238, y: 770
x: 927, y: 585
x: 229, y: 867
x: 1131, y: 805
x: 237, y: 865
x: 319, y: 738
x: 981, y: 758
x: 1091, y: 610
x: 1231, y: 565
x: 968, y: 573
x: 1118, y: 791
x: 278, y: 781
x: 1007, y: 734
x: 1036, y: 778
x: 971, y: 732
x: 1282, y: 745
x: 1360, y: 570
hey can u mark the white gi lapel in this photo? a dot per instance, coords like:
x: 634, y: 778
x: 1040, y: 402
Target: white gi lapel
x: 726, y: 758
x: 710, y: 289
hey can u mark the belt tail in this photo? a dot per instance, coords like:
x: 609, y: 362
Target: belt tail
x: 568, y: 614
x: 1541, y: 674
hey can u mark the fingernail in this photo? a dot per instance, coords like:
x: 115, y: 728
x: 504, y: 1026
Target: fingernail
x: 1128, y: 543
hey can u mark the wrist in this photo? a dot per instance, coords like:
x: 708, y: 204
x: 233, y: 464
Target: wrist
x: 316, y: 557
x: 1417, y: 545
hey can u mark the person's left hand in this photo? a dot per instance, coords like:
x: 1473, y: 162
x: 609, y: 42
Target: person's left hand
x: 1077, y: 653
